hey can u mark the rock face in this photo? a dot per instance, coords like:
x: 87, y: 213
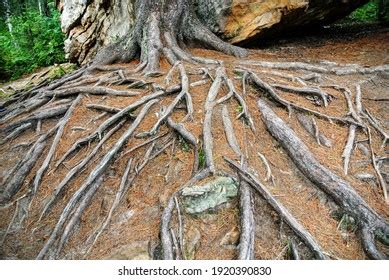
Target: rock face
x: 92, y: 24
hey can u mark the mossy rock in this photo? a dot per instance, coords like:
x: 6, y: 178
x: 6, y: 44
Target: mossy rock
x: 199, y: 199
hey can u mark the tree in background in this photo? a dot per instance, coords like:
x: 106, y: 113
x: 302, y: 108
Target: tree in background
x: 31, y: 37
x: 383, y: 10
x: 7, y: 15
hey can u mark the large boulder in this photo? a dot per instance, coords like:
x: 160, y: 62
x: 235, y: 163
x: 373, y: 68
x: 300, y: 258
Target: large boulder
x: 92, y: 24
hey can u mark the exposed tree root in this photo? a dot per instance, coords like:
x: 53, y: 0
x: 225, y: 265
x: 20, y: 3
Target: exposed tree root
x: 89, y: 90
x: 319, y: 68
x: 42, y: 115
x: 339, y: 190
x: 75, y: 170
x: 281, y: 210
x: 90, y: 186
x: 161, y: 31
x: 289, y: 105
x: 246, y: 242
x: 311, y: 127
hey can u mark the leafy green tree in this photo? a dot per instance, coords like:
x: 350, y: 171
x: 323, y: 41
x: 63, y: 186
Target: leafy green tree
x: 36, y: 41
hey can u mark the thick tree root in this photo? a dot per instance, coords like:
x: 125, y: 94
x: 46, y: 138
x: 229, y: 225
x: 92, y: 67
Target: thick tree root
x: 89, y: 90
x: 91, y: 181
x: 246, y: 242
x: 281, y: 210
x: 335, y: 187
x: 34, y: 118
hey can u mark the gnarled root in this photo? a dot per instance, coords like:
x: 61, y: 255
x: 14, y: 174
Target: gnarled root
x: 160, y: 30
x: 339, y: 190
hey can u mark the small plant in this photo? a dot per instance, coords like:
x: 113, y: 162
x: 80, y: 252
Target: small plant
x: 184, y: 145
x: 239, y: 109
x: 373, y: 11
x: 201, y: 158
x: 347, y: 223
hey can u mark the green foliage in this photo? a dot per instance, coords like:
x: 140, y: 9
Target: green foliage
x: 184, y: 145
x: 373, y: 11
x: 347, y: 223
x: 201, y: 158
x: 366, y: 13
x: 36, y: 41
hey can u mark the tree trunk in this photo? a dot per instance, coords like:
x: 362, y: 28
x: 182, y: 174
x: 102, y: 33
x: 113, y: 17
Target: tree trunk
x: 44, y: 8
x: 8, y: 16
x: 89, y: 25
x: 383, y: 10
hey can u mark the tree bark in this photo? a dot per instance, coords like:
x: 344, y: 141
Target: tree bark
x: 44, y: 8
x: 8, y: 16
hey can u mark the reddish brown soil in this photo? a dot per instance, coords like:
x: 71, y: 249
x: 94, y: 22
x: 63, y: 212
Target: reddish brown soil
x: 150, y: 191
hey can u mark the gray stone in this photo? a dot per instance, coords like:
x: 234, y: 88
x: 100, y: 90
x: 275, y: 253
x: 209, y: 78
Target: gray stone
x: 198, y: 199
x: 134, y: 251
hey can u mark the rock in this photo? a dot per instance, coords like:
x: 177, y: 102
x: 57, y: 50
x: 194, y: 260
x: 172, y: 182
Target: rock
x: 126, y: 216
x: 231, y: 237
x: 192, y: 242
x: 248, y: 20
x: 198, y: 199
x: 134, y: 251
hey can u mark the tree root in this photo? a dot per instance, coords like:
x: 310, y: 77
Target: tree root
x: 231, y: 139
x: 110, y: 121
x: 307, y: 91
x: 60, y: 129
x: 152, y: 38
x: 166, y: 239
x: 23, y: 168
x: 338, y: 189
x: 268, y: 89
x: 310, y: 126
x: 246, y: 241
x: 89, y: 90
x: 94, y: 175
x: 189, y: 137
x: 339, y: 70
x: 34, y: 118
x: 280, y: 209
x: 348, y: 148
x: 75, y: 170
